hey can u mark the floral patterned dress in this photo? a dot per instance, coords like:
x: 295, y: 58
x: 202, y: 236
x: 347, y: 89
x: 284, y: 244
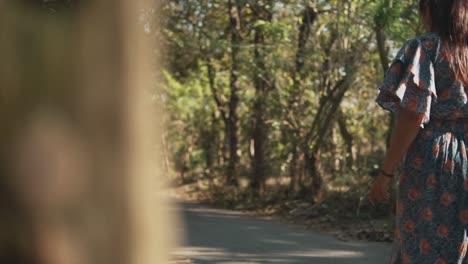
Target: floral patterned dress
x: 432, y: 206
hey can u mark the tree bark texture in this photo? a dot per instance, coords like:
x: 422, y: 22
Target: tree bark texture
x: 80, y: 179
x: 263, y: 86
x: 234, y: 7
x: 297, y: 162
x: 383, y: 54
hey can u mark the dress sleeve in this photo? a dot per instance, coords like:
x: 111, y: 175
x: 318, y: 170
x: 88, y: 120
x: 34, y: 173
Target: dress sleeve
x: 410, y: 83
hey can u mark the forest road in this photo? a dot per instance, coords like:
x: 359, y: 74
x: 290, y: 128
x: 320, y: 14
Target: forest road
x: 221, y: 236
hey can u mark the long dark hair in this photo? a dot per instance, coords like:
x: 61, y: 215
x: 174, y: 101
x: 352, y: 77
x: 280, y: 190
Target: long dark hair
x: 449, y: 18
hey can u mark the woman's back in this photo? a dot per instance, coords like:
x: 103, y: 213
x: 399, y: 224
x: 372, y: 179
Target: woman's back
x: 422, y: 80
x: 452, y: 97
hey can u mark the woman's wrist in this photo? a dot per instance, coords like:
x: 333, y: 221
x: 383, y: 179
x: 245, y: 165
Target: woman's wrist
x: 387, y: 173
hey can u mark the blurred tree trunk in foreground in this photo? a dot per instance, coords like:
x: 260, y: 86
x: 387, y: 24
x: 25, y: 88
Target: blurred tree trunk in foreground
x: 78, y: 177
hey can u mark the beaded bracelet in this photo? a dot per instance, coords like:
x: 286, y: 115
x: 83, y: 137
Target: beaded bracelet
x: 386, y: 174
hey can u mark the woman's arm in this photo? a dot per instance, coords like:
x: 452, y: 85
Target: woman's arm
x: 406, y: 129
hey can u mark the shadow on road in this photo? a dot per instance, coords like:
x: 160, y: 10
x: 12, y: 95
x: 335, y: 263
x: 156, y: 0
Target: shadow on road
x: 219, y: 236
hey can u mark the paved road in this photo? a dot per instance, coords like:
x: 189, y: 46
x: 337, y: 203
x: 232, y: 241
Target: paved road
x: 219, y: 236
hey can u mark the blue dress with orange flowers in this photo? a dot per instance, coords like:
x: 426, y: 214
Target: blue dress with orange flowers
x: 432, y: 204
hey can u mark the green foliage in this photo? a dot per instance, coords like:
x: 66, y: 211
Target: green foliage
x: 341, y: 43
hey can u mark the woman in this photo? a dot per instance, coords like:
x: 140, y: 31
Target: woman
x: 425, y: 86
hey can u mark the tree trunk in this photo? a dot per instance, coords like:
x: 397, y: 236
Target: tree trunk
x: 314, y: 174
x: 347, y: 138
x: 210, y: 145
x: 328, y: 106
x: 78, y: 161
x: 223, y: 154
x: 262, y: 83
x: 259, y: 164
x: 234, y: 26
x: 382, y: 47
x: 297, y: 170
x: 383, y: 54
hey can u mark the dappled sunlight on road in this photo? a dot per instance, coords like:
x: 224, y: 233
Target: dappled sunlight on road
x: 219, y: 255
x: 326, y: 254
x: 221, y: 236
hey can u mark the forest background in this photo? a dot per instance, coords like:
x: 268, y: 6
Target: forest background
x: 269, y: 104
